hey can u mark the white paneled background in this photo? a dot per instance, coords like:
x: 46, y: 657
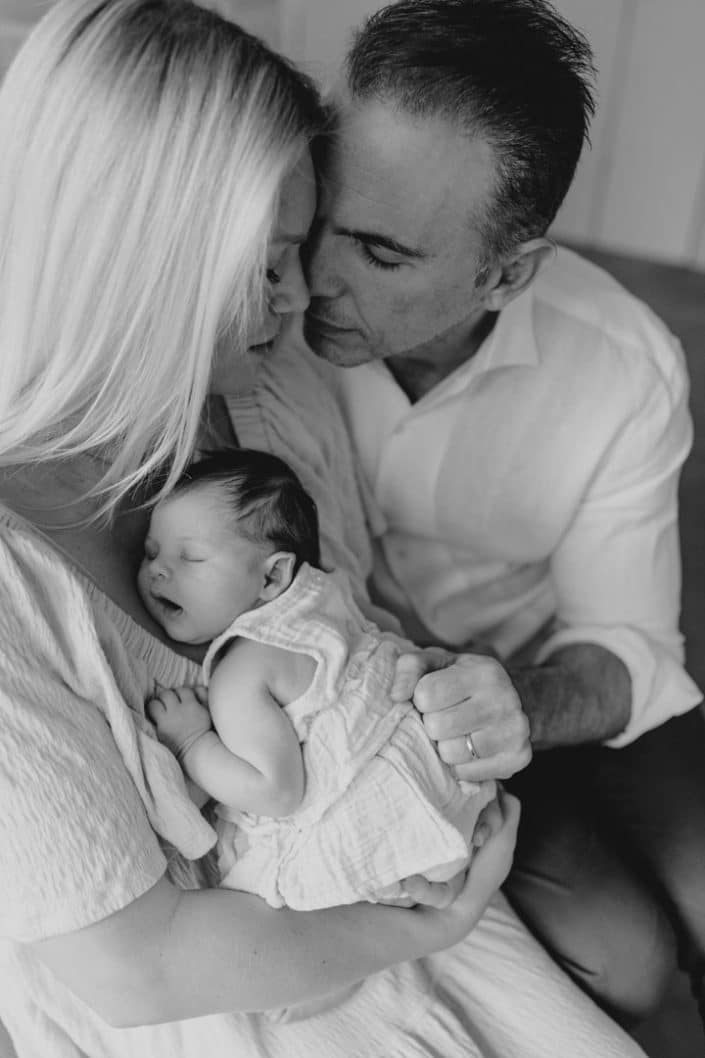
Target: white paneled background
x: 640, y: 189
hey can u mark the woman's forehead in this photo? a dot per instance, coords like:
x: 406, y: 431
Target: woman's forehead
x: 297, y: 203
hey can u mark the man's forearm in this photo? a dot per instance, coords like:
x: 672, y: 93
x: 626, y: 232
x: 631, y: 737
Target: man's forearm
x: 581, y: 694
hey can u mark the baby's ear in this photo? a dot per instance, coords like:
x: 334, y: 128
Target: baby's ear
x: 278, y: 574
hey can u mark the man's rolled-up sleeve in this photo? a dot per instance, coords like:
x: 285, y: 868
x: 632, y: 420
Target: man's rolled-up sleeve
x: 617, y: 571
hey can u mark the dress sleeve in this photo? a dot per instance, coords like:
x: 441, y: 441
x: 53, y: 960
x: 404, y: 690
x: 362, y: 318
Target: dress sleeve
x: 75, y: 839
x: 76, y: 844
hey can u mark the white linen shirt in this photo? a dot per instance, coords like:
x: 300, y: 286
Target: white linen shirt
x: 540, y: 480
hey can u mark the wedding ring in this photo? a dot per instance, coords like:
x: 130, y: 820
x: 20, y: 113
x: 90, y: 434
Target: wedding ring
x: 474, y: 755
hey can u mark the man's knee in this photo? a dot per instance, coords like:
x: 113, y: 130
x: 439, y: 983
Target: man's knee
x: 594, y: 915
x: 629, y: 977
x: 624, y: 961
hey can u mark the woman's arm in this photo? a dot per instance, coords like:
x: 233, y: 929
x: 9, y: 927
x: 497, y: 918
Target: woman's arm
x: 172, y: 955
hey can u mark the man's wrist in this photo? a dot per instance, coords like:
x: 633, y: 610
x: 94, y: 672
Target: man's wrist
x: 581, y: 694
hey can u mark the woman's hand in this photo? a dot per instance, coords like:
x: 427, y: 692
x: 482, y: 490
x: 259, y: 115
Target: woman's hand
x: 455, y: 907
x: 173, y: 954
x: 490, y: 819
x: 180, y: 716
x: 470, y: 708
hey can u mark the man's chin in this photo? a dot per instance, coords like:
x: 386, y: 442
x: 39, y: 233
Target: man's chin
x: 337, y: 354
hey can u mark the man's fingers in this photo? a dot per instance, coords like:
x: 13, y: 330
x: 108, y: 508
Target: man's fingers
x: 467, y: 675
x: 500, y: 766
x: 477, y: 712
x: 412, y: 666
x: 456, y: 751
x: 409, y: 670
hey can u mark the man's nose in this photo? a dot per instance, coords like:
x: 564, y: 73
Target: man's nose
x: 319, y: 263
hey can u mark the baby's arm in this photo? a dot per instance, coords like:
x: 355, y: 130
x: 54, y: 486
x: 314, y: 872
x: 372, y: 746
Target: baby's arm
x: 254, y: 761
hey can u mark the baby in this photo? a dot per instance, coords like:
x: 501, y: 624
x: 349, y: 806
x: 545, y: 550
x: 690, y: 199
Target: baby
x: 328, y: 791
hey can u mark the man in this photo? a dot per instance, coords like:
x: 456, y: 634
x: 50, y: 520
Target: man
x: 521, y: 422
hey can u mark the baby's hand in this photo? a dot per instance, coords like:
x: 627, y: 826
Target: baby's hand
x: 181, y: 716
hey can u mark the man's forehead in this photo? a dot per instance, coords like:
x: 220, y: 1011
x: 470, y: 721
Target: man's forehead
x: 421, y: 176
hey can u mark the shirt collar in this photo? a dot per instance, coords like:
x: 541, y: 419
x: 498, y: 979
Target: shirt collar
x: 512, y: 341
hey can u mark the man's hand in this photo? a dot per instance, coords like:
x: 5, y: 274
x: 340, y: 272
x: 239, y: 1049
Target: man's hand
x: 467, y: 695
x: 180, y: 716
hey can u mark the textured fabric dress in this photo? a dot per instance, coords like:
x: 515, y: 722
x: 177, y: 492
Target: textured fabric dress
x: 89, y: 798
x: 379, y: 803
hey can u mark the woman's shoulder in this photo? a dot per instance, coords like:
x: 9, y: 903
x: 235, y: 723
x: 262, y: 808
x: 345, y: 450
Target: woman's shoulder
x: 90, y: 785
x: 42, y: 599
x: 53, y: 607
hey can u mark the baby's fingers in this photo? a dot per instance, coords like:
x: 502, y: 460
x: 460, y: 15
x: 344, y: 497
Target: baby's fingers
x: 155, y: 709
x: 170, y: 698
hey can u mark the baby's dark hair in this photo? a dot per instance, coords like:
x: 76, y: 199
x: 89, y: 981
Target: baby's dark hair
x: 266, y: 498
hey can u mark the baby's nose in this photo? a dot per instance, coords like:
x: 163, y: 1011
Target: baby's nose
x: 159, y: 570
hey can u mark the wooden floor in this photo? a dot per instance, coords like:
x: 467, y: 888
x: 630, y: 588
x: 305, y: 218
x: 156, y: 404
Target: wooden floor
x: 678, y: 296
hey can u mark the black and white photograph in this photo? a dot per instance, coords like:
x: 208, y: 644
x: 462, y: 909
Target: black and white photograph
x: 352, y: 529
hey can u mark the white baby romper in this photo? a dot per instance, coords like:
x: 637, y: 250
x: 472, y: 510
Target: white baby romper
x: 379, y: 803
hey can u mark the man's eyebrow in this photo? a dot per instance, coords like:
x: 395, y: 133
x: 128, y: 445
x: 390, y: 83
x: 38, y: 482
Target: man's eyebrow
x: 373, y: 238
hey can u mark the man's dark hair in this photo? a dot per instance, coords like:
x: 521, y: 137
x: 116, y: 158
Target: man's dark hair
x: 268, y: 502
x: 511, y: 71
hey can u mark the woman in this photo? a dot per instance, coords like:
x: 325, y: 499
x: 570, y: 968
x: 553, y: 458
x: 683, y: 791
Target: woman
x: 155, y: 188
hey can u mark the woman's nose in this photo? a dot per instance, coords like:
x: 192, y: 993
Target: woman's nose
x: 291, y: 295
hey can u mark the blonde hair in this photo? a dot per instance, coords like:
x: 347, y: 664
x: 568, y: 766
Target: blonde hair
x: 143, y: 145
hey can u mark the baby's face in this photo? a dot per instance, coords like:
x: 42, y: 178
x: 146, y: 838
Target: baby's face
x: 197, y: 574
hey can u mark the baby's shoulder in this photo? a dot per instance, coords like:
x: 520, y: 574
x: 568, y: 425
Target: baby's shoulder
x: 248, y: 663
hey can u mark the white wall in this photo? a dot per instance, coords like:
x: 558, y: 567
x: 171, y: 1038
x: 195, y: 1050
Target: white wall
x: 640, y: 189
x: 642, y: 186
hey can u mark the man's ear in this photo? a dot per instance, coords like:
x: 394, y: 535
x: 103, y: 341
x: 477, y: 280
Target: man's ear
x: 278, y: 574
x: 513, y: 275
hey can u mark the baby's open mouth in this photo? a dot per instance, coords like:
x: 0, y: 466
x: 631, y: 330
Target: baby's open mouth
x: 167, y: 604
